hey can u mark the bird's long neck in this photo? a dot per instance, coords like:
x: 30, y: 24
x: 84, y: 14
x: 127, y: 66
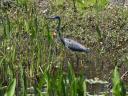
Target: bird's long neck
x: 60, y: 37
x: 58, y: 27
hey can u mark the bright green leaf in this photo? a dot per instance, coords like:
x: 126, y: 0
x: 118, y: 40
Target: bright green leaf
x: 11, y: 88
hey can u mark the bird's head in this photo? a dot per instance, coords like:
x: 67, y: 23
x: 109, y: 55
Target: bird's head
x: 54, y: 17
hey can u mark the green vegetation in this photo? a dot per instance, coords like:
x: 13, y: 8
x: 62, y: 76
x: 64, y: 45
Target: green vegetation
x: 118, y: 86
x: 42, y: 66
x: 11, y: 88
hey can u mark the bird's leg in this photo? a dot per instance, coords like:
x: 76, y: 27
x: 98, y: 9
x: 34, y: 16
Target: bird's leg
x: 77, y: 63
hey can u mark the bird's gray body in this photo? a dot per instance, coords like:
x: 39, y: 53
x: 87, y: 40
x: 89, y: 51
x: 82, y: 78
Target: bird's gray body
x: 74, y: 46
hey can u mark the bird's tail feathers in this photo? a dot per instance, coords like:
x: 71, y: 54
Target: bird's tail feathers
x: 87, y: 50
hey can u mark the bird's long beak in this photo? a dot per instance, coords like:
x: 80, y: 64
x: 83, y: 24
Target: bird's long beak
x: 50, y: 18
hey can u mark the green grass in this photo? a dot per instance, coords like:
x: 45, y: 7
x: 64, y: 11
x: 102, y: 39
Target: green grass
x: 29, y: 53
x: 118, y: 86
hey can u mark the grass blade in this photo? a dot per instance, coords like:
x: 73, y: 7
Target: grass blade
x: 11, y: 88
x: 118, y: 86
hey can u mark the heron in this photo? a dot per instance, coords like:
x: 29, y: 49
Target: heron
x: 68, y: 43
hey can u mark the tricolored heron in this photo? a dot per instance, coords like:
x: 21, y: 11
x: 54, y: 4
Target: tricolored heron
x: 69, y: 43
